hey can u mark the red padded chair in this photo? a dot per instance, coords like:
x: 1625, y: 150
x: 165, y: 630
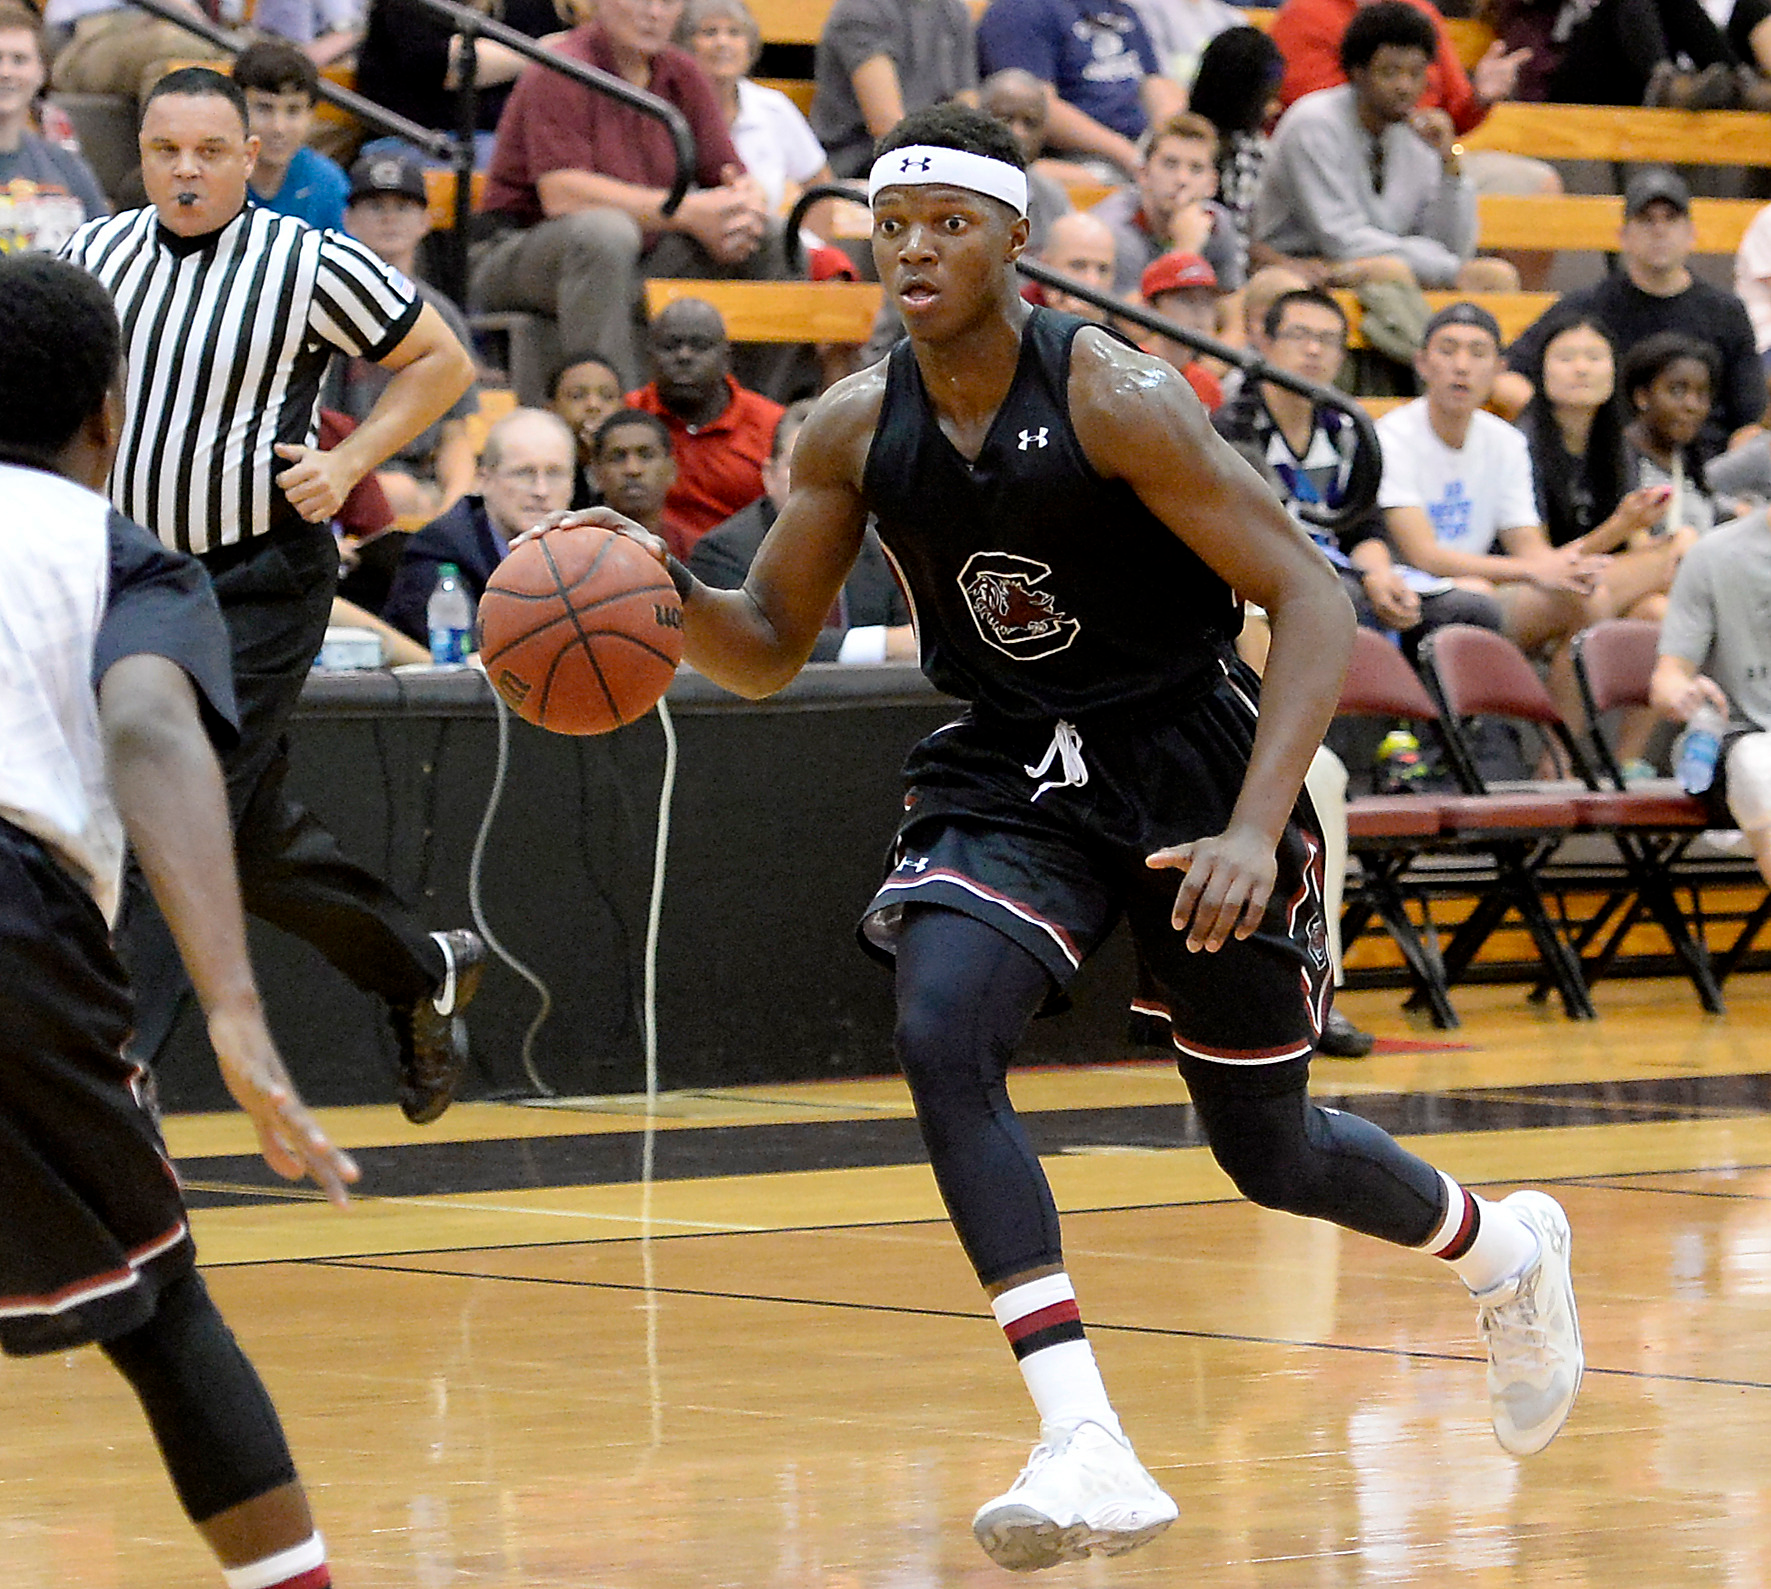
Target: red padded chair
x: 1476, y: 672
x: 1388, y: 833
x: 1614, y: 667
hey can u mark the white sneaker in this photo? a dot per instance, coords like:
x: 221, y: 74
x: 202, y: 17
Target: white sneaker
x: 1533, y: 1334
x: 1082, y: 1492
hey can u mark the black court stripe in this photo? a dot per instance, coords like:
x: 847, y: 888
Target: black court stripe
x: 704, y: 1152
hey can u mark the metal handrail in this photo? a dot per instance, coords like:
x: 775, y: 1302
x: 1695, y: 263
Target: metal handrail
x: 1363, y: 479
x: 458, y: 150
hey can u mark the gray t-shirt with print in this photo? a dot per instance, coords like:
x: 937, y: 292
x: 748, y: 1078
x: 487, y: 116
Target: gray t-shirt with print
x: 1718, y: 616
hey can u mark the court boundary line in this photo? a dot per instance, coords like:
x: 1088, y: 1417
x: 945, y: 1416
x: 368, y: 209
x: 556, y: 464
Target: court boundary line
x: 1095, y: 1326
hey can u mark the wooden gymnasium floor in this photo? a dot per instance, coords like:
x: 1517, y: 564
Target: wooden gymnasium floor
x: 515, y: 1363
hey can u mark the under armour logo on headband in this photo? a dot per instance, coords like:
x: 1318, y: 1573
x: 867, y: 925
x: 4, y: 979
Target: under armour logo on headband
x: 922, y: 165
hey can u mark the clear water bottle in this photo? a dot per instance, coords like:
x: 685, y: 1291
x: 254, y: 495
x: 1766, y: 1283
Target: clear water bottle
x: 449, y: 617
x: 1698, y: 749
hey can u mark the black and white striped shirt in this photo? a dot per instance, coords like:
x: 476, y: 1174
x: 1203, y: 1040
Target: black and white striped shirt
x: 227, y: 337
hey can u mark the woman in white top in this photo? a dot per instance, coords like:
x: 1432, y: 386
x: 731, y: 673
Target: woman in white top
x: 775, y: 142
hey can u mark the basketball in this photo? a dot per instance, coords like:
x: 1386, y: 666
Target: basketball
x: 580, y: 631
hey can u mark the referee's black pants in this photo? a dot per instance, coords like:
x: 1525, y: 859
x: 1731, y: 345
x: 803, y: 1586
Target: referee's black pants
x: 276, y: 597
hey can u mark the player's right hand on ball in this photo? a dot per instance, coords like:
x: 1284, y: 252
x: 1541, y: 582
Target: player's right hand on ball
x: 602, y: 519
x: 288, y: 1135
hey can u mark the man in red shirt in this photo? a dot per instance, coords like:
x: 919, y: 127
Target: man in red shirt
x: 720, y: 432
x: 578, y: 180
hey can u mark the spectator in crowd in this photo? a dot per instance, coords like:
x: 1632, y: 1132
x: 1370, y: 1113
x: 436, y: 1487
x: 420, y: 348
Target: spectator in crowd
x: 1182, y: 30
x: 1104, y: 87
x: 584, y: 392
x: 1587, y: 492
x: 1265, y: 288
x: 282, y: 87
x: 1183, y: 288
x: 872, y: 621
x: 1587, y: 472
x: 1715, y: 650
x: 525, y: 473
x: 1457, y: 486
x: 1656, y: 291
x: 1629, y: 52
x: 1017, y: 99
x: 578, y: 182
x: 388, y: 212
x: 1170, y: 205
x: 1081, y: 246
x: 116, y: 49
x: 325, y: 30
x: 406, y: 62
x: 1236, y: 90
x: 719, y: 431
x: 1752, y: 280
x: 46, y: 191
x: 1667, y: 380
x: 775, y: 142
x: 876, y: 61
x: 1359, y: 186
x: 634, y: 472
x: 1309, y: 33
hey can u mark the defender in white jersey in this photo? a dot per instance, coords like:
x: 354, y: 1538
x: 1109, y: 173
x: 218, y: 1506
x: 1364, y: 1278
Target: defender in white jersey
x: 114, y: 675
x: 230, y: 316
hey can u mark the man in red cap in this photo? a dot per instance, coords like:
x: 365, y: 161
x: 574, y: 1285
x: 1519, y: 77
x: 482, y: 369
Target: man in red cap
x: 1183, y: 288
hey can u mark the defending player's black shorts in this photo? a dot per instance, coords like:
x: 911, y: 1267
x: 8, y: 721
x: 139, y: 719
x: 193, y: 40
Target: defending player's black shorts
x: 1041, y: 830
x: 93, y: 1225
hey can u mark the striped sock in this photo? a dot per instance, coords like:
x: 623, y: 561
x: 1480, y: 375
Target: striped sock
x: 1484, y: 1242
x: 1044, y: 1328
x: 302, y: 1566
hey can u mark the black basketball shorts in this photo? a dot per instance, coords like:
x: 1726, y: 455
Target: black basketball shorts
x: 94, y: 1225
x: 1041, y: 830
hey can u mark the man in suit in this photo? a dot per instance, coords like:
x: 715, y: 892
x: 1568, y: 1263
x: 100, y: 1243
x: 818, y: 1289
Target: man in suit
x: 872, y: 620
x: 526, y: 472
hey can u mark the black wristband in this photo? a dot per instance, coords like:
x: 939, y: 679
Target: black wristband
x: 679, y: 575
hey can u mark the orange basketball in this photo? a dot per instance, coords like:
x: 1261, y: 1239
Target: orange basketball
x: 580, y: 631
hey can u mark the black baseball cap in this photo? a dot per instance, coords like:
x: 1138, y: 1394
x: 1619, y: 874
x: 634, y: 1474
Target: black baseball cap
x: 1656, y: 185
x: 1462, y: 314
x: 388, y: 173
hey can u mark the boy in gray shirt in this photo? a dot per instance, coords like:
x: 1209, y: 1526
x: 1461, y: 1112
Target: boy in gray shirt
x: 1715, y: 651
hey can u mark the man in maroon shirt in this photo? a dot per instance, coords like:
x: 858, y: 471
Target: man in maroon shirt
x: 578, y: 180
x: 720, y: 432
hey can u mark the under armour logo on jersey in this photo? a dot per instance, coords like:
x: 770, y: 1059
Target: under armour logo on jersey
x: 913, y: 163
x: 1034, y: 438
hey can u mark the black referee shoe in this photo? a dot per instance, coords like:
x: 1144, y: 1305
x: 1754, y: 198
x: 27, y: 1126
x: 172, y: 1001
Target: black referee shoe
x: 1341, y: 1039
x: 432, y: 1034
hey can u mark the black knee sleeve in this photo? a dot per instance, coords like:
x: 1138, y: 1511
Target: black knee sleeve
x: 1284, y: 1152
x: 965, y: 995
x: 216, y: 1427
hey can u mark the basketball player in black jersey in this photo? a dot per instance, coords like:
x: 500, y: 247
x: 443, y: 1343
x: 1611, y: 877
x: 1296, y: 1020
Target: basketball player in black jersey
x: 1071, y: 532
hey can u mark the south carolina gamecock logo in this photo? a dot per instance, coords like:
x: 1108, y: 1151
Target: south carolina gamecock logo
x: 1011, y: 613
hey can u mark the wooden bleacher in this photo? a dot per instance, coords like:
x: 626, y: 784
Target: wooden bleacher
x: 1624, y: 133
x: 780, y: 311
x: 1591, y: 220
x: 1513, y: 310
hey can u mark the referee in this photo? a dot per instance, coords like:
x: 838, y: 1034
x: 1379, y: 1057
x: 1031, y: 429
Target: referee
x: 230, y: 316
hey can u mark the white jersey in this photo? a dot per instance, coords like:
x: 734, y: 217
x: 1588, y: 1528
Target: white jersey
x: 55, y: 548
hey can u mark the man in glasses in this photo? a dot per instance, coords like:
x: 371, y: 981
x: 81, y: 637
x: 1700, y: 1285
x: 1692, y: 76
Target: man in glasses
x: 526, y: 472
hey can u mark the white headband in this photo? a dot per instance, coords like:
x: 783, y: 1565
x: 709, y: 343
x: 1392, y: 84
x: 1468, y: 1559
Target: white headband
x: 924, y: 165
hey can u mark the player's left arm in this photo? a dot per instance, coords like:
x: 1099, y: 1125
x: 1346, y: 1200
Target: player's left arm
x: 1138, y: 421
x: 431, y: 369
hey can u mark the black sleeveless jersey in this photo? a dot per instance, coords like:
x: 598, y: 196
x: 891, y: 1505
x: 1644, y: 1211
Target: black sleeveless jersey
x: 1041, y: 590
